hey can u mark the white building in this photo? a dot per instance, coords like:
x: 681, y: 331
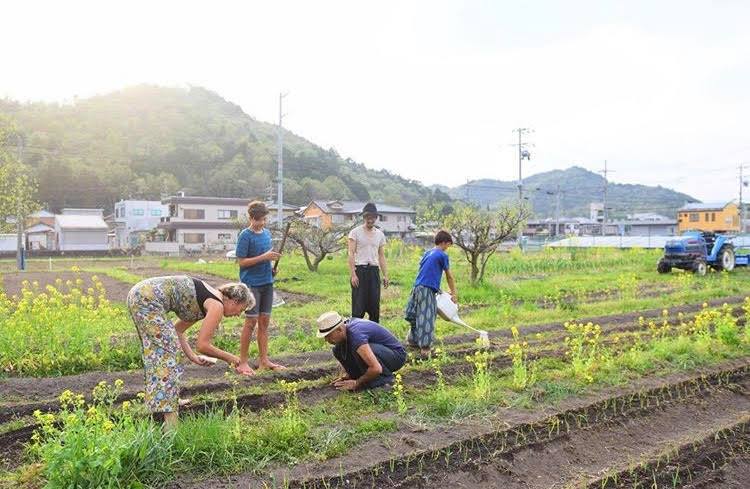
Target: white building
x: 8, y: 242
x: 81, y: 230
x: 133, y: 218
x: 204, y: 223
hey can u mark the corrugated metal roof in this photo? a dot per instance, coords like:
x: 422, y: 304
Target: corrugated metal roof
x: 707, y: 206
x: 39, y: 228
x: 71, y: 221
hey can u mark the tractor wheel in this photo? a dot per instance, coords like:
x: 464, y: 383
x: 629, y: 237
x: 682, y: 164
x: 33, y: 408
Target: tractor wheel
x: 700, y: 268
x: 726, y: 259
x: 663, y: 267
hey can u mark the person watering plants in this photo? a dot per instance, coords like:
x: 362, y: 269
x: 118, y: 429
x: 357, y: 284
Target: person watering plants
x: 366, y: 262
x: 191, y: 300
x: 421, y: 309
x: 368, y: 353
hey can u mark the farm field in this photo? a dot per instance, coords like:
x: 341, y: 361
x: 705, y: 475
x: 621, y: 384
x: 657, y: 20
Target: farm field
x: 600, y: 373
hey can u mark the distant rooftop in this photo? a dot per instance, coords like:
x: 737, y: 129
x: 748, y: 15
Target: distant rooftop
x: 67, y: 221
x: 200, y: 199
x: 355, y: 207
x: 704, y: 206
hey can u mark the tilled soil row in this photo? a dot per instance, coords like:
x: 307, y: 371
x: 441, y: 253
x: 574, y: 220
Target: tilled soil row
x: 722, y: 393
x: 14, y: 439
x: 45, y: 389
x: 698, y: 463
x: 308, y: 373
x: 262, y: 401
x: 572, y: 300
x: 603, y: 321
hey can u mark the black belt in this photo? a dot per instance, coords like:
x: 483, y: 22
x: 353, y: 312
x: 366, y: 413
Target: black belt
x: 366, y: 266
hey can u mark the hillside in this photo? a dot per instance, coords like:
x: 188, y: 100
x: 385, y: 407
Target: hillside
x: 578, y: 187
x: 148, y: 141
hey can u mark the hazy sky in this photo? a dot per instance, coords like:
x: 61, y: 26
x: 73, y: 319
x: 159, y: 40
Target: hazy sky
x: 430, y: 89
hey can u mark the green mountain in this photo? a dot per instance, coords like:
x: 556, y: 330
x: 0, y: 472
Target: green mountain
x: 149, y: 141
x: 577, y: 188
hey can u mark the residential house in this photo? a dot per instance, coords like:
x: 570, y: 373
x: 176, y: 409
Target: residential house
x: 41, y: 237
x: 40, y: 231
x: 81, y: 230
x: 716, y: 217
x: 134, y: 218
x: 196, y: 223
x: 393, y: 221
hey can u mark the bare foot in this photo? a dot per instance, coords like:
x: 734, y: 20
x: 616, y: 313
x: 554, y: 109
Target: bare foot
x: 244, y: 369
x: 269, y: 365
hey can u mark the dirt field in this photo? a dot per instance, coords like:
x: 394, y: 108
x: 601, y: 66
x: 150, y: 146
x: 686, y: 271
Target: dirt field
x: 598, y: 441
x: 697, y: 417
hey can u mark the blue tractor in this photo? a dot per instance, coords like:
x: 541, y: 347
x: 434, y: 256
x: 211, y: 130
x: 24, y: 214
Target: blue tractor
x: 695, y: 251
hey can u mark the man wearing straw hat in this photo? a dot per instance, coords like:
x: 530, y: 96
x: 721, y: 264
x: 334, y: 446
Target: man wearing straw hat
x: 368, y: 353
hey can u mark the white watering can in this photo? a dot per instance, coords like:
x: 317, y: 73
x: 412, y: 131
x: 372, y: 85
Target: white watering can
x: 448, y: 310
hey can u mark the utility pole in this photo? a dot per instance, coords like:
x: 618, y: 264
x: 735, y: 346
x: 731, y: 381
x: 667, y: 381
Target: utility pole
x: 557, y: 210
x: 20, y: 262
x: 280, y: 176
x: 523, y: 153
x: 742, y: 184
x: 606, y: 182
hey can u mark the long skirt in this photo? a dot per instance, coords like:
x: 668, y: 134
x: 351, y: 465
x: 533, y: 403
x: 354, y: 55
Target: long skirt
x: 421, y: 312
x: 160, y: 346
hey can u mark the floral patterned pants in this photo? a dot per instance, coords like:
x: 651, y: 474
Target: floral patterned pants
x: 160, y: 346
x: 421, y: 312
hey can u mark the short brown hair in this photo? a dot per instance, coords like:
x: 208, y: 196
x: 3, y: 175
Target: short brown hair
x: 257, y: 210
x: 443, y: 237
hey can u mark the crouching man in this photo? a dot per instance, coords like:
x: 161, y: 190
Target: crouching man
x: 368, y: 353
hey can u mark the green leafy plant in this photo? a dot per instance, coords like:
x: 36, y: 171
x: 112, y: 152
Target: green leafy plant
x: 583, y: 345
x: 96, y: 445
x: 523, y: 375
x: 482, y: 381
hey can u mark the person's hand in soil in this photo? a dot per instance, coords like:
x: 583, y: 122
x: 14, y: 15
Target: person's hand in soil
x: 339, y: 379
x: 244, y: 369
x: 346, y: 385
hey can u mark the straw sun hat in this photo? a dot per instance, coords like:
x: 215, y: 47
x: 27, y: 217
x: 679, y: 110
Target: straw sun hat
x: 327, y: 322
